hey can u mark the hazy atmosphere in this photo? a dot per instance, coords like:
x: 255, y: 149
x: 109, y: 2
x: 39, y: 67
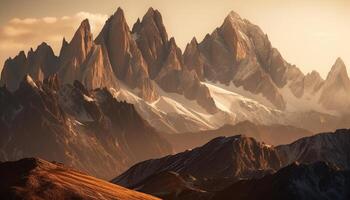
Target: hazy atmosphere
x: 310, y: 34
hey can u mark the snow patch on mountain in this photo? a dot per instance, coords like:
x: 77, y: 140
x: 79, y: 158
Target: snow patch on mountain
x: 308, y: 102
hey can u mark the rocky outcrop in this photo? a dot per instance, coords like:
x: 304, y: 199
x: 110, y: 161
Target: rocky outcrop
x: 34, y: 178
x: 91, y: 131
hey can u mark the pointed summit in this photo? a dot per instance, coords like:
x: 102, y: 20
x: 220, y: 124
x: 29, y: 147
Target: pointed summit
x: 233, y: 14
x: 73, y: 55
x: 231, y: 17
x: 85, y: 25
x: 64, y: 46
x: 82, y: 39
x: 194, y: 41
x: 150, y: 11
x: 119, y: 15
x: 338, y: 70
x: 336, y: 89
x: 154, y: 19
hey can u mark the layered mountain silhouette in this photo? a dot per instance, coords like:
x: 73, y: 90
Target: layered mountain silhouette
x: 234, y: 74
x: 297, y: 181
x: 89, y: 130
x: 270, y: 134
x: 212, y: 168
x: 34, y: 178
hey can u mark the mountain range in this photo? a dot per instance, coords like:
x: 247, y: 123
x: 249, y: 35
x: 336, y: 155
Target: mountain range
x: 226, y: 166
x: 233, y: 71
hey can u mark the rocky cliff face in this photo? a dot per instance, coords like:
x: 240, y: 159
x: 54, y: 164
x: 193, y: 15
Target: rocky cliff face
x: 90, y: 131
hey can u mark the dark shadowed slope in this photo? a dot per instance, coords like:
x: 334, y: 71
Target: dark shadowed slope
x: 89, y: 130
x: 318, y: 181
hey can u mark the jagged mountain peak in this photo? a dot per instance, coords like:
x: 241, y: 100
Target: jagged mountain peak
x: 64, y: 46
x: 21, y: 55
x: 172, y: 43
x: 119, y: 14
x: 338, y: 68
x: 43, y: 45
x: 152, y: 21
x: 84, y: 31
x: 194, y: 41
x: 234, y: 15
x: 151, y: 11
x: 232, y: 18
x: 85, y: 25
x: 42, y: 49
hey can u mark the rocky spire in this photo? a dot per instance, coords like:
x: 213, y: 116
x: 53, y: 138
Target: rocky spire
x: 64, y: 46
x: 81, y: 43
x: 122, y: 49
x: 193, y: 58
x: 152, y: 40
x: 73, y: 55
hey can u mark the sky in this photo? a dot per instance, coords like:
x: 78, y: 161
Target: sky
x: 309, y: 33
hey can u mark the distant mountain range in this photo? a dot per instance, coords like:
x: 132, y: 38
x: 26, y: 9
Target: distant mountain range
x: 241, y: 167
x: 233, y: 75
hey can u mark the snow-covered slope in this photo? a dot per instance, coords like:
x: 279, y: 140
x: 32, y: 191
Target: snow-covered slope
x: 173, y: 113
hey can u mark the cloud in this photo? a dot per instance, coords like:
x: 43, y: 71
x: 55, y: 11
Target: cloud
x: 50, y: 20
x: 22, y: 34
